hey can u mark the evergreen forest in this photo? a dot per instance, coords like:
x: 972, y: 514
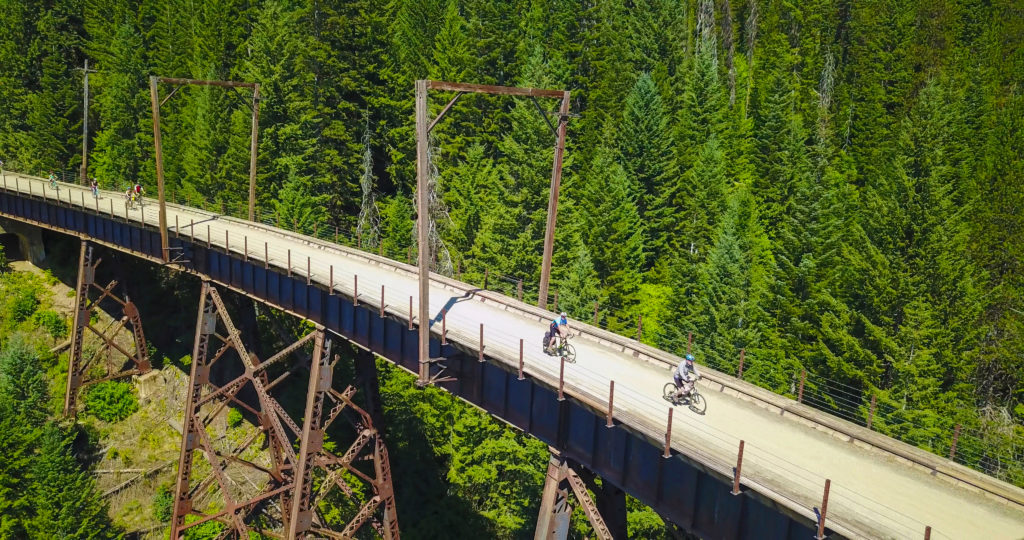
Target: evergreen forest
x: 836, y: 188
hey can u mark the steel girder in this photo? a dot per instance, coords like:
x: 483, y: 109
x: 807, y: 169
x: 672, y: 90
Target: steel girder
x: 82, y: 371
x: 285, y: 486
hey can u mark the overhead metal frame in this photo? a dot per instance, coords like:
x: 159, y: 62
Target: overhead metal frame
x: 423, y: 128
x: 80, y: 369
x: 156, y: 103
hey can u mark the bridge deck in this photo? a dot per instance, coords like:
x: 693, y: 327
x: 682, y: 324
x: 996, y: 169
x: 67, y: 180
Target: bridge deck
x: 874, y: 491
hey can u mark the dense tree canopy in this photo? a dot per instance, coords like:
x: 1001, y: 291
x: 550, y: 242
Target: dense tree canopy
x: 835, y: 187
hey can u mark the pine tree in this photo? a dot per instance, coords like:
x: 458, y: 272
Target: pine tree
x: 63, y: 496
x: 732, y: 283
x: 645, y: 149
x: 22, y: 383
x: 614, y: 234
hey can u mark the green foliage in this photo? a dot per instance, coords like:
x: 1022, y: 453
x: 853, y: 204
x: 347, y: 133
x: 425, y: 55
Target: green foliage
x: 23, y: 305
x: 163, y: 503
x: 4, y: 264
x: 234, y: 417
x: 111, y: 401
x: 54, y: 323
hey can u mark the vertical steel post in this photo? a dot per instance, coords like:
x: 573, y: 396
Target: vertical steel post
x: 487, y: 272
x: 639, y: 327
x: 289, y: 262
x: 266, y: 256
x: 77, y: 330
x: 189, y: 436
x: 800, y: 392
x: 871, y: 411
x: 520, y: 359
x: 331, y: 293
x: 611, y: 404
x: 423, y: 226
x: 253, y: 145
x: 556, y: 301
x: 444, y: 324
x: 556, y: 181
x: 824, y: 509
x: 689, y: 342
x: 480, y: 351
x: 956, y: 437
x: 245, y: 244
x: 927, y: 532
x: 739, y: 372
x: 595, y: 312
x: 668, y: 434
x: 311, y: 438
x: 519, y: 290
x: 355, y: 290
x: 381, y: 301
x: 410, y: 314
x: 561, y: 379
x: 154, y: 97
x: 737, y: 471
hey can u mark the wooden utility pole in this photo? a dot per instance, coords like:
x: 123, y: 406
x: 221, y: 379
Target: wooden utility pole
x: 252, y: 150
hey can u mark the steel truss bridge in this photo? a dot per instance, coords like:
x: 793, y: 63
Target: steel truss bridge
x: 755, y: 465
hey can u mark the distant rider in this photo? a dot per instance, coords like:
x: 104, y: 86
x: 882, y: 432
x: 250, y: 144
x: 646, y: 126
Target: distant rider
x: 558, y: 329
x: 95, y: 188
x: 685, y: 375
x: 53, y: 180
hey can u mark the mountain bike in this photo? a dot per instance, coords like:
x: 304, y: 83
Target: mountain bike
x: 693, y: 400
x: 564, y: 350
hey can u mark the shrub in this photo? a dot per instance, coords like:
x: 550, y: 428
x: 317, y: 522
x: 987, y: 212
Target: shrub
x: 111, y: 401
x: 234, y: 417
x: 163, y: 503
x: 51, y: 321
x: 4, y: 265
x: 23, y: 305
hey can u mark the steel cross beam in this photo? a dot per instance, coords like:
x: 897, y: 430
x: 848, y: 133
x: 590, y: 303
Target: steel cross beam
x: 423, y: 128
x: 78, y: 367
x: 241, y: 505
x: 553, y: 520
x: 156, y: 103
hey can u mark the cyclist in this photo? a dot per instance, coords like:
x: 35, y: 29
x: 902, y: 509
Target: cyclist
x: 129, y: 197
x: 95, y: 188
x: 557, y: 330
x: 684, y: 376
x: 53, y: 180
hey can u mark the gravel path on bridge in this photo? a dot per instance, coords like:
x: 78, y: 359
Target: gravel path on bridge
x: 872, y: 494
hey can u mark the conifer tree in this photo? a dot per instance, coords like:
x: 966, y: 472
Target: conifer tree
x: 614, y: 233
x: 645, y: 145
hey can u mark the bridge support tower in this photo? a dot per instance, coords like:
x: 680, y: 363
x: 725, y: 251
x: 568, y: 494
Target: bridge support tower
x: 261, y: 483
x: 607, y: 515
x: 121, y: 361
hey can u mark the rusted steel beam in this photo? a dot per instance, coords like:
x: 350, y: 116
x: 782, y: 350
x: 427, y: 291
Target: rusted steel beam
x: 737, y: 471
x: 668, y: 434
x: 199, y: 82
x: 520, y: 359
x: 611, y: 404
x: 556, y: 181
x: 444, y: 111
x: 824, y: 511
x: 489, y: 89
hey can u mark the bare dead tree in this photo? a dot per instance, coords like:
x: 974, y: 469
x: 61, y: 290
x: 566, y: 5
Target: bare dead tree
x: 706, y: 39
x: 751, y: 28
x: 368, y: 227
x: 438, y: 212
x: 730, y: 50
x: 825, y: 85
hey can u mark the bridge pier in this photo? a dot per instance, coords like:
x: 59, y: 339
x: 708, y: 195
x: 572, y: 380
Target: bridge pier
x: 249, y: 505
x: 564, y: 476
x: 136, y: 360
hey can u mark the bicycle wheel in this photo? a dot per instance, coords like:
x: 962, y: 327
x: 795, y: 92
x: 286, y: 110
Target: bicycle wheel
x: 669, y: 393
x: 569, y: 353
x: 697, y: 402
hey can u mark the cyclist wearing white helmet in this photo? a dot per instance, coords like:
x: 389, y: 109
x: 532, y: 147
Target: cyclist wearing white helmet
x: 685, y: 375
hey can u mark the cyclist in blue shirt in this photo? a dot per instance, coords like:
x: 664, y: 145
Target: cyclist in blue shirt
x: 558, y: 329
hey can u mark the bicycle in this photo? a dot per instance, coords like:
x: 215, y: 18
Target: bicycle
x: 693, y: 400
x: 53, y: 182
x: 564, y: 350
